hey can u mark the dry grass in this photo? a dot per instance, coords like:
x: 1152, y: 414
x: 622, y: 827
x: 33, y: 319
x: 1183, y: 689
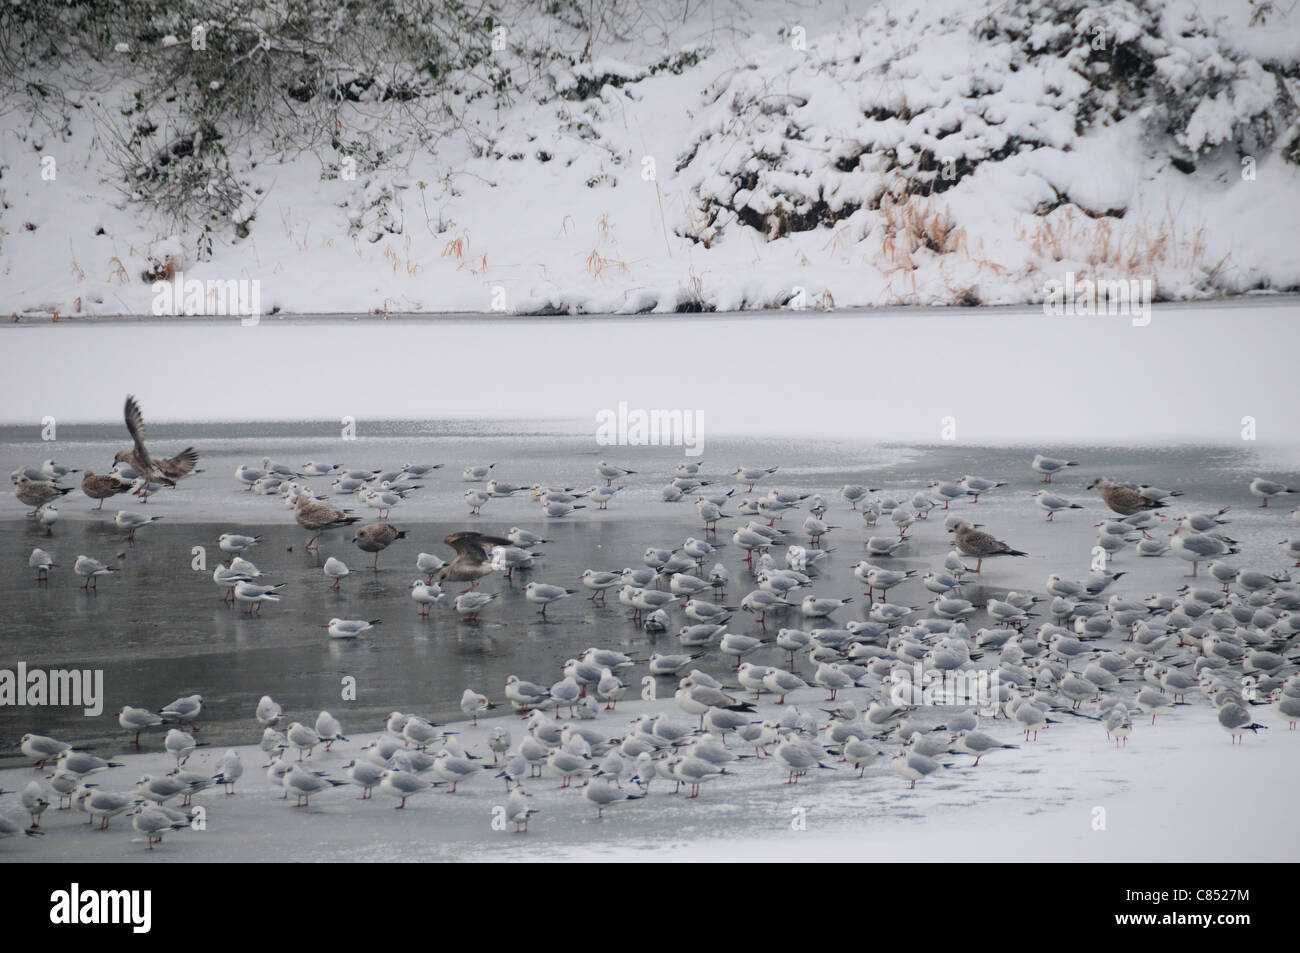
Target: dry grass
x: 476, y: 268
x: 456, y: 248
x: 403, y: 260
x: 909, y: 225
x: 119, y: 272
x: 1134, y: 245
x: 77, y: 271
x: 597, y: 263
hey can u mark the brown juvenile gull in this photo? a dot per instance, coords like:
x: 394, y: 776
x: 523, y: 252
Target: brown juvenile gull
x: 167, y: 471
x: 1124, y: 500
x: 974, y: 542
x: 100, y: 486
x: 375, y: 538
x: 473, y: 552
x: 36, y: 493
x: 314, y: 515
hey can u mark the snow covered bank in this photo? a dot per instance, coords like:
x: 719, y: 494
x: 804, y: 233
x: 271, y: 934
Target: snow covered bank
x: 750, y: 156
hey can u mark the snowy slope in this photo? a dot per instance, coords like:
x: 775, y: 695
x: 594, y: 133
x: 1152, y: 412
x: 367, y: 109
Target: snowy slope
x: 762, y: 155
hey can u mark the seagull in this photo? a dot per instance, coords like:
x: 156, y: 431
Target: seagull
x: 336, y: 569
x: 609, y: 472
x: 798, y: 758
x: 104, y: 805
x: 1198, y: 547
x: 76, y: 762
x: 1124, y: 500
x: 781, y: 682
x: 449, y: 767
x: 524, y: 539
x: 35, y: 803
x: 47, y: 516
x: 132, y: 521
x: 269, y: 711
x: 42, y: 562
x: 600, y: 582
x: 42, y: 748
x: 91, y: 569
x: 375, y: 538
x: 884, y: 545
x: 543, y: 595
x: 235, y: 543
x: 137, y: 719
x: 1050, y: 502
x: 1050, y: 465
x: 429, y: 564
x: 1265, y: 490
x: 524, y: 695
x: 912, y: 766
x: 394, y: 783
x: 468, y: 604
x: 947, y: 492
x: 303, y: 784
x: 154, y: 820
x: 37, y: 494
x: 752, y: 475
x: 329, y: 729
x: 473, y: 557
x: 426, y: 596
x: 315, y: 516
x: 349, y: 628
x: 710, y: 512
x: 229, y: 770
x: 472, y: 703
x: 138, y: 456
x: 311, y: 468
x: 602, y: 793
x: 814, y: 607
x: 255, y: 595
x: 977, y: 543
x: 103, y: 486
x: 975, y: 486
x: 1236, y: 721
x: 476, y: 474
x: 180, y: 744
x: 56, y: 471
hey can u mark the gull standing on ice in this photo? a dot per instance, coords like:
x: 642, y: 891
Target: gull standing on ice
x: 982, y: 545
x: 1050, y: 465
x: 1267, y: 489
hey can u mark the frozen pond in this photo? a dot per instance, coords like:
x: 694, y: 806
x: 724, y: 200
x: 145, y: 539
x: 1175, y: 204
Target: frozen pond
x: 830, y: 400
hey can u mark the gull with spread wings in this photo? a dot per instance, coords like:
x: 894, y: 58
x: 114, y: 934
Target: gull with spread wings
x: 473, y: 557
x: 168, y: 470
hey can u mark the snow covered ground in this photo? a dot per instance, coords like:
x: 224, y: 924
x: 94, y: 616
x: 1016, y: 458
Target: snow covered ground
x: 797, y: 155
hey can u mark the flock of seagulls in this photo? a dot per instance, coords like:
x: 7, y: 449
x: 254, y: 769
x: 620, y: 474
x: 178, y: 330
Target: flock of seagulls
x: 810, y: 693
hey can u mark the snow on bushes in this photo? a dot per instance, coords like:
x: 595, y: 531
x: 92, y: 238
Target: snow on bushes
x: 799, y: 141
